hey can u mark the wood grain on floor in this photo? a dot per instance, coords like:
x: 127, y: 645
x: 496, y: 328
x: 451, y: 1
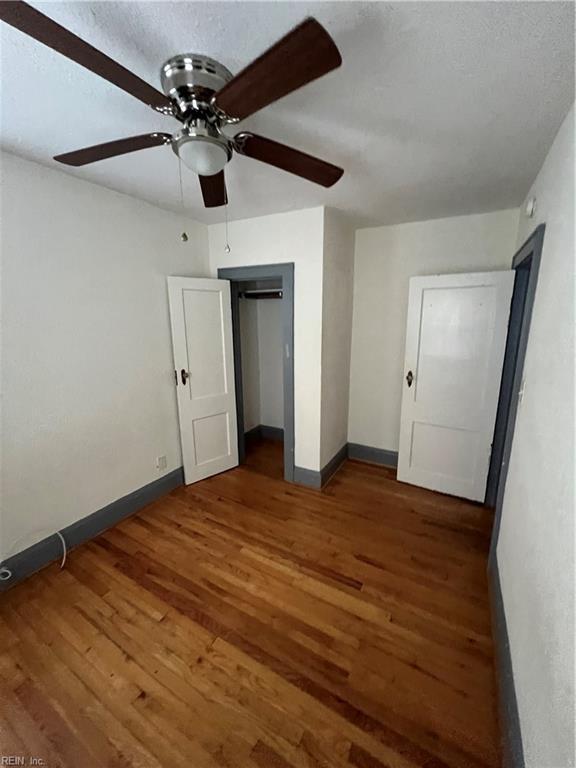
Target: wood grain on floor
x: 243, y: 621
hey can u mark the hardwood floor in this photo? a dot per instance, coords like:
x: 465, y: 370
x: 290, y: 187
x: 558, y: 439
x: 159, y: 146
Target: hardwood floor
x: 243, y: 621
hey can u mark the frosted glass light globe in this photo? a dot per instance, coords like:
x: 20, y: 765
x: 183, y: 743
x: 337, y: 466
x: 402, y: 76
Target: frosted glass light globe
x: 205, y: 158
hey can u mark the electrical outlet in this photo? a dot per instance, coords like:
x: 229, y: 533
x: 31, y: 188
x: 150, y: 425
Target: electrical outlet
x: 161, y: 462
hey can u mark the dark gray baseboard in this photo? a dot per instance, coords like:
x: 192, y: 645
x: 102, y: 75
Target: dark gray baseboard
x: 373, y: 455
x: 49, y: 549
x: 333, y: 465
x: 315, y: 479
x: 511, y: 734
x: 253, y: 433
x: 271, y: 433
x: 45, y: 551
x: 310, y: 477
x: 265, y: 432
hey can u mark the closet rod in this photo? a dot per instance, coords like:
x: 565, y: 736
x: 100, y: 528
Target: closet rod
x: 269, y: 293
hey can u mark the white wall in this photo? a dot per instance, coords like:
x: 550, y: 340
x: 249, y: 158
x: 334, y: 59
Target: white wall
x: 87, y: 372
x: 536, y: 543
x: 250, y: 363
x: 385, y: 259
x: 288, y: 237
x: 271, y: 362
x: 337, y: 290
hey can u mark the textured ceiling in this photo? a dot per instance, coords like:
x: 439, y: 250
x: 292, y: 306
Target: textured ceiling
x: 439, y: 109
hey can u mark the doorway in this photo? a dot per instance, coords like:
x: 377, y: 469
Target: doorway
x: 262, y: 298
x: 526, y: 264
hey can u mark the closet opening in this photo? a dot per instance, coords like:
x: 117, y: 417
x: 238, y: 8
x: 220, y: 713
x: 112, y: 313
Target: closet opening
x: 263, y: 336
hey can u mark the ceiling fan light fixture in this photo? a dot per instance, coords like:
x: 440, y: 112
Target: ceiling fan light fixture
x: 202, y: 148
x: 204, y: 157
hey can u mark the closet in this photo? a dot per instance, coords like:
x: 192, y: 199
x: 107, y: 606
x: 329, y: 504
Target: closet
x: 261, y: 336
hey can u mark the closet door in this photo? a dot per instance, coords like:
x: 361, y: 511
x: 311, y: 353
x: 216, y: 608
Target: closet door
x: 200, y: 315
x: 455, y: 342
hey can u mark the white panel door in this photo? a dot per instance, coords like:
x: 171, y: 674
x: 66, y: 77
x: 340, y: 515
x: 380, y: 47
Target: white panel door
x: 455, y: 342
x: 201, y: 318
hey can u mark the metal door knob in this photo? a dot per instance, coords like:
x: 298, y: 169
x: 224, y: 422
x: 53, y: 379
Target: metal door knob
x: 184, y: 375
x: 409, y: 378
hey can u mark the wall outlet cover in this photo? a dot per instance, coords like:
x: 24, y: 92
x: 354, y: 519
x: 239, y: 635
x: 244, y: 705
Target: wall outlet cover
x: 161, y: 462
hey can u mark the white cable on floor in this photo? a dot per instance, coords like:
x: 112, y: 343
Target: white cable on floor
x: 6, y: 573
x: 64, y: 549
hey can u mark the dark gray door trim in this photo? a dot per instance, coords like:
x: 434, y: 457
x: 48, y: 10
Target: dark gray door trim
x: 526, y: 262
x: 238, y: 275
x: 508, y: 715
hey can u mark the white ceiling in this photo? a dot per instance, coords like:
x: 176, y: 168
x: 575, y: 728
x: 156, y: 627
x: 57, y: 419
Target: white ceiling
x: 439, y: 109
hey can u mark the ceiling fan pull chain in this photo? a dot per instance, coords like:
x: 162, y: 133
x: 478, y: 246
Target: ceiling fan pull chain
x: 227, y: 246
x: 184, y: 235
x: 180, y: 182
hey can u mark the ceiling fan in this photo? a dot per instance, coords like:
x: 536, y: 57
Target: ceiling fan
x: 205, y: 97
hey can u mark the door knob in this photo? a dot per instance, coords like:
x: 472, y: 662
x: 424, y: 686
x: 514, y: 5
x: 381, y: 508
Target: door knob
x: 409, y: 378
x: 184, y: 375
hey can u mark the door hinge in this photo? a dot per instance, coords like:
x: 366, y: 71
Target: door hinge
x: 521, y: 392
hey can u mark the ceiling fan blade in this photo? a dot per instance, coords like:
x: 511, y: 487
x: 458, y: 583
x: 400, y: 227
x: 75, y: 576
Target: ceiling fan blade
x: 113, y: 148
x: 305, y: 53
x: 213, y: 190
x: 288, y: 159
x: 30, y: 21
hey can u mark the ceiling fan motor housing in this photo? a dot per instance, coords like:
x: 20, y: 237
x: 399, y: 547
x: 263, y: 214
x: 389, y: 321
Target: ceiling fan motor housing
x: 190, y: 80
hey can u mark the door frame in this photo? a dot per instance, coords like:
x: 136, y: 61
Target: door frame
x: 526, y: 263
x: 237, y: 276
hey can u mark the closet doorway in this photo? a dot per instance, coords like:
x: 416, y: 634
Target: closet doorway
x: 262, y: 299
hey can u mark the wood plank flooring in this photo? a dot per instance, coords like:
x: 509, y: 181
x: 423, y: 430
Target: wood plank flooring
x: 247, y: 622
